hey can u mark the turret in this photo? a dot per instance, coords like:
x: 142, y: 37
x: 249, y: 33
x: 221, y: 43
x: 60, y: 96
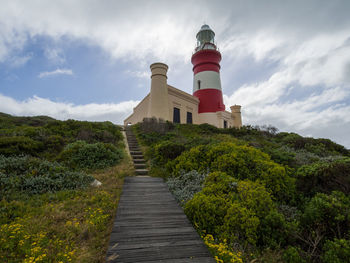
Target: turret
x: 236, y: 115
x: 158, y: 105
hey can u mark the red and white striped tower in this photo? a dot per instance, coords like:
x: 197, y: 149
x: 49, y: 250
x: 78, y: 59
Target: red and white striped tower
x: 206, y: 68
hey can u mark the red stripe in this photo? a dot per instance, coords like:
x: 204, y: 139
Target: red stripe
x: 206, y: 67
x: 210, y: 100
x: 206, y: 60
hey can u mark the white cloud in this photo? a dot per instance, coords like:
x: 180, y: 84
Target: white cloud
x: 19, y: 61
x: 308, y: 42
x: 62, y: 111
x: 55, y: 55
x: 320, y: 115
x: 138, y: 74
x: 55, y: 72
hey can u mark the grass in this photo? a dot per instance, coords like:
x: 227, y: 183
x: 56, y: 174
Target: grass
x: 64, y: 226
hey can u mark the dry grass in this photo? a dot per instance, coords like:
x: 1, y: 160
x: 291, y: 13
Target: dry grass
x: 67, y: 226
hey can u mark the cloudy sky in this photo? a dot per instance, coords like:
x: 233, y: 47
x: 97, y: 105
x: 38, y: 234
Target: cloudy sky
x: 286, y: 62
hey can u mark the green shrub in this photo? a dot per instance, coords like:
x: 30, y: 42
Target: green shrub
x: 207, y: 212
x: 320, y: 147
x: 81, y: 155
x: 324, y: 217
x: 275, y: 230
x: 240, y: 225
x: 54, y: 143
x: 239, y: 161
x: 292, y: 255
x: 324, y: 176
x: 167, y: 150
x: 328, y: 214
x: 91, y: 132
x: 34, y: 176
x: 336, y: 251
x: 234, y: 210
x: 18, y: 145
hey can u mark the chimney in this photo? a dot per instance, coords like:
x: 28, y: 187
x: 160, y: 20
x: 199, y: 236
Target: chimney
x: 158, y: 103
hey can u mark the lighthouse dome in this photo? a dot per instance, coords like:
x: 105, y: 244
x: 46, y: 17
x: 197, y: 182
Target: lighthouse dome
x: 204, y: 36
x: 205, y: 26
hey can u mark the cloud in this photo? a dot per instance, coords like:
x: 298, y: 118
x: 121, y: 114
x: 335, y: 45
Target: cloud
x: 319, y: 115
x: 55, y: 55
x: 55, y: 72
x: 63, y: 111
x: 305, y: 43
x: 19, y: 61
x: 138, y: 74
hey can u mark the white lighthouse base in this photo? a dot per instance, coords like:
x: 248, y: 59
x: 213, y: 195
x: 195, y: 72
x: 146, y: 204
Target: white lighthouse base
x: 217, y: 119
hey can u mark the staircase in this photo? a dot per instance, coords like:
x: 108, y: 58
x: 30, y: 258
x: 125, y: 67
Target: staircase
x: 150, y: 226
x: 135, y: 152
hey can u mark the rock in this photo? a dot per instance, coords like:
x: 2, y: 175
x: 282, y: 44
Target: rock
x: 96, y: 183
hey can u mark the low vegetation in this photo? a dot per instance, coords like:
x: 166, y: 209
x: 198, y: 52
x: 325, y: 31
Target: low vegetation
x: 256, y: 195
x: 49, y: 212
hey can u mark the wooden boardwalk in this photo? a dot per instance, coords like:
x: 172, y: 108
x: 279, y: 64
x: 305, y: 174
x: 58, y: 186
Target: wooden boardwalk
x: 151, y: 227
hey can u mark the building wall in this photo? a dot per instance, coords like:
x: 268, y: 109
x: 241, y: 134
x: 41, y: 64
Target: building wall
x: 183, y: 101
x: 139, y: 112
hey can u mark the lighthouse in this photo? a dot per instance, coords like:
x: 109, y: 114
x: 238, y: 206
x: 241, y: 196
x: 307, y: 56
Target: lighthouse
x: 204, y: 105
x: 206, y: 68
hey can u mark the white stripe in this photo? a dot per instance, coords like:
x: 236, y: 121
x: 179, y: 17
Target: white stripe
x: 208, y: 80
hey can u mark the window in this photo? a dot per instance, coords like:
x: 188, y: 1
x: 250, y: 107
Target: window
x: 189, y: 118
x: 176, y: 118
x: 199, y: 84
x: 225, y: 124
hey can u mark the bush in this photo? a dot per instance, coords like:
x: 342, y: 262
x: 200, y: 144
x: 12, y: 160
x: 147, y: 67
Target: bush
x: 34, y: 176
x: 167, y: 150
x: 186, y: 185
x: 336, y: 251
x: 320, y: 147
x: 81, y: 155
x: 233, y: 210
x: 18, y: 145
x: 207, y: 212
x: 292, y: 255
x: 90, y: 132
x: 239, y: 161
x: 325, y: 177
x: 328, y: 214
x: 325, y: 217
x: 221, y: 251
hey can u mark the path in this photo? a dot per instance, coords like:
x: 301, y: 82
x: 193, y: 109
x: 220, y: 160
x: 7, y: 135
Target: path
x: 151, y: 227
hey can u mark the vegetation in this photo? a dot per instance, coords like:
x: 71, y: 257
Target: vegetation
x: 49, y: 212
x: 254, y: 194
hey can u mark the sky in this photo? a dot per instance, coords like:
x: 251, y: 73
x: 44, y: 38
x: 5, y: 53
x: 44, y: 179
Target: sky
x: 286, y: 62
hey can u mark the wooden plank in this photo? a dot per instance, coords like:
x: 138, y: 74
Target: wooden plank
x: 151, y: 227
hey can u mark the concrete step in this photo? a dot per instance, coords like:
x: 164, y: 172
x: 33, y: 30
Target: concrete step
x: 137, y: 156
x: 141, y: 171
x: 135, y: 152
x: 134, y: 148
x: 140, y: 165
x: 139, y: 161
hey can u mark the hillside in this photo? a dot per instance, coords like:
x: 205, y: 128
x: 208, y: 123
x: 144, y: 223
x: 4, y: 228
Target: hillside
x: 253, y: 194
x: 49, y: 212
